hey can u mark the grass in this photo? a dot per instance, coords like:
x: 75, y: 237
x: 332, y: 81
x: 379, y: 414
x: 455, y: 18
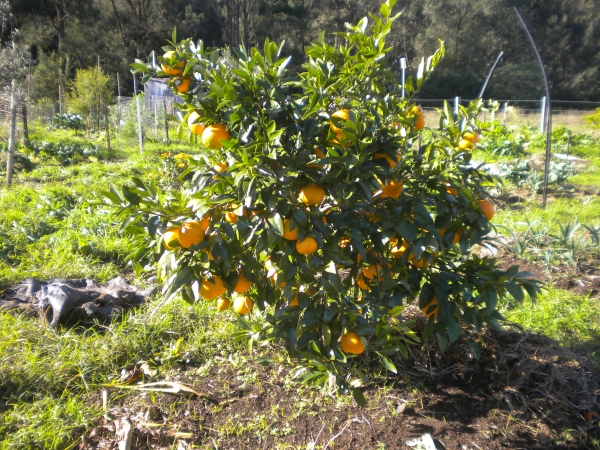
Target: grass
x: 570, y: 319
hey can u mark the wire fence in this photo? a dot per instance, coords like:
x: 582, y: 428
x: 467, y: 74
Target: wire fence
x: 122, y: 116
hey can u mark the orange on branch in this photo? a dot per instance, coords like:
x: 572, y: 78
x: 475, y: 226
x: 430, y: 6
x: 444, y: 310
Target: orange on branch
x: 294, y: 301
x: 396, y: 251
x: 182, y: 84
x: 231, y: 217
x: 420, y: 122
x: 391, y: 189
x: 172, y: 70
x: 343, y: 114
x: 242, y: 284
x: 212, y: 289
x: 311, y: 194
x: 452, y: 191
x: 190, y: 233
x: 351, y: 343
x: 223, y: 304
x: 242, y: 305
x: 472, y: 137
x: 171, y: 239
x: 220, y: 167
x: 487, y: 208
x: 213, y: 135
x: 432, y: 308
x: 307, y: 246
x: 390, y: 161
x: 193, y: 124
x: 290, y: 235
x: 464, y: 144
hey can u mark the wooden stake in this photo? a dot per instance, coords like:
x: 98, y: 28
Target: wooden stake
x: 107, y: 127
x: 25, y: 127
x: 11, y: 139
x: 166, y: 122
x: 139, y: 115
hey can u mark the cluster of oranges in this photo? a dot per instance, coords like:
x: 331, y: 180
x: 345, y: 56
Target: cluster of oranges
x: 213, y: 287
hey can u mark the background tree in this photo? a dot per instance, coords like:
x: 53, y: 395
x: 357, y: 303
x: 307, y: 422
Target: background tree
x: 90, y: 90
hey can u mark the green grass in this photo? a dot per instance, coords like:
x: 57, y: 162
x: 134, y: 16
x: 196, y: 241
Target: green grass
x: 51, y: 380
x: 570, y: 319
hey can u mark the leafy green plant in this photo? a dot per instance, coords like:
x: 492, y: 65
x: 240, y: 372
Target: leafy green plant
x: 383, y: 209
x: 593, y: 119
x: 499, y: 140
x: 66, y: 154
x: 70, y: 121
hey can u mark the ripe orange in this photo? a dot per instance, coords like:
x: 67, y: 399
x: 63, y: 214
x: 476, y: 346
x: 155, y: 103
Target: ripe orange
x: 432, y: 308
x: 344, y: 242
x: 455, y: 238
x: 487, y: 208
x: 294, y: 301
x: 342, y: 140
x: 220, y: 167
x: 371, y: 270
x: 452, y: 191
x: 205, y: 222
x: 311, y: 194
x: 277, y: 284
x: 231, y: 217
x: 242, y: 304
x: 213, y: 135
x: 317, y: 151
x: 351, y: 343
x: 343, y: 114
x: 170, y: 238
x: 193, y: 125
x: 307, y: 245
x: 390, y: 161
x: 290, y: 235
x: 464, y: 144
x: 223, y: 304
x: 190, y: 233
x: 396, y: 251
x: 182, y: 84
x: 420, y: 123
x: 212, y: 289
x: 391, y: 189
x: 242, y: 284
x: 172, y: 70
x: 472, y: 137
x: 420, y: 263
x: 361, y: 283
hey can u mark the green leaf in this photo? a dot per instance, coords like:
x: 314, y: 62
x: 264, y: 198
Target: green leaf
x: 384, y: 10
x: 359, y: 397
x: 276, y: 224
x: 387, y: 363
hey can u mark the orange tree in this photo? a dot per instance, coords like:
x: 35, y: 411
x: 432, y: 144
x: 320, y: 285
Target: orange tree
x: 322, y: 203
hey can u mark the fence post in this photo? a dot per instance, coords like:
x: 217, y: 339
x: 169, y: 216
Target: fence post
x: 402, y: 62
x: 456, y: 106
x: 156, y: 119
x: 542, y: 114
x: 139, y: 115
x: 504, y: 112
x: 107, y: 127
x: 166, y: 122
x: 25, y: 127
x: 60, y: 99
x: 11, y: 139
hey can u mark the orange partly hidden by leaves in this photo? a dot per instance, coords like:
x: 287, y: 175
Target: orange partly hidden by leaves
x: 212, y: 289
x: 242, y: 284
x: 182, y: 84
x: 472, y: 137
x: 242, y: 305
x: 311, y: 194
x: 223, y: 304
x: 391, y: 189
x: 361, y: 283
x: 170, y: 238
x: 396, y: 251
x: 290, y: 235
x: 294, y: 301
x: 213, y: 135
x: 343, y: 114
x: 487, y: 208
x: 452, y: 191
x: 220, y: 167
x: 193, y: 125
x: 351, y: 343
x: 464, y: 144
x: 420, y: 123
x: 390, y: 161
x: 172, y: 70
x: 432, y: 308
x: 190, y: 233
x: 231, y: 217
x: 307, y: 245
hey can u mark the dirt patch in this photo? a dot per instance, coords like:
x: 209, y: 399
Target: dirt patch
x: 585, y: 280
x: 524, y: 392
